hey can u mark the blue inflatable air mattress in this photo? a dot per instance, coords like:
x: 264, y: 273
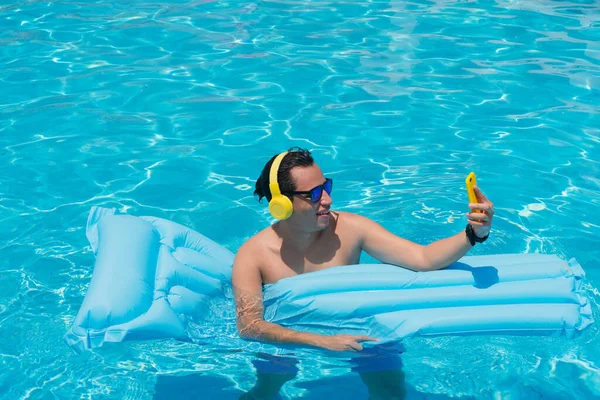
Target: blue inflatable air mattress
x: 152, y: 274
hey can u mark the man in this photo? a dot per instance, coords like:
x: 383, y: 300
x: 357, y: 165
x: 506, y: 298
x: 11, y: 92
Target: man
x: 309, y: 237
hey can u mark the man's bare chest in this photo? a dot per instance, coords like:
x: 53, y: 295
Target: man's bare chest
x: 286, y: 262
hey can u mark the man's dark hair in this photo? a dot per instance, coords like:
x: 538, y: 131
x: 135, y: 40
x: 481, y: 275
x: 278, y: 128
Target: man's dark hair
x: 296, y: 157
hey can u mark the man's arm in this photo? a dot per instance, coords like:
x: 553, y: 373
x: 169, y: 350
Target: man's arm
x: 247, y: 286
x: 391, y: 249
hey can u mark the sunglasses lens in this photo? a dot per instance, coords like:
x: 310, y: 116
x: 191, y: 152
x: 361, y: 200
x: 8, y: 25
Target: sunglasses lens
x: 315, y: 194
x: 328, y: 186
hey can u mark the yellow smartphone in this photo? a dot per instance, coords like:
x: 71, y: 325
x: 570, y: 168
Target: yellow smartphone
x: 472, y: 181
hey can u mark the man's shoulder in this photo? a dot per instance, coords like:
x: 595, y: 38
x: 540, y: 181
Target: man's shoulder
x: 257, y: 244
x: 350, y: 218
x: 355, y: 225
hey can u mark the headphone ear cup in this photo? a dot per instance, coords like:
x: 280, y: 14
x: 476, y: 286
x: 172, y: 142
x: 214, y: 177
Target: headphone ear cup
x: 281, y: 207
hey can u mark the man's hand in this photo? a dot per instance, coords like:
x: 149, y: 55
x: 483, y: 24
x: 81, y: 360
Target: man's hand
x: 344, y: 342
x: 481, y: 222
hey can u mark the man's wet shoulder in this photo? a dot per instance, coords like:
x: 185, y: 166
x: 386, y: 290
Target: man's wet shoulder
x: 262, y: 240
x: 345, y: 219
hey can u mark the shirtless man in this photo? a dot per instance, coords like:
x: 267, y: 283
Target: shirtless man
x: 313, y: 238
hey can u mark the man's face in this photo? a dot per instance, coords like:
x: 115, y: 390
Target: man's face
x: 307, y: 215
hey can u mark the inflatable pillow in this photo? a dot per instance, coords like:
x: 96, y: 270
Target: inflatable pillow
x: 150, y: 274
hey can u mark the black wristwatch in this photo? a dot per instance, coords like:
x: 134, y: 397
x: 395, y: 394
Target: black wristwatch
x: 473, y: 238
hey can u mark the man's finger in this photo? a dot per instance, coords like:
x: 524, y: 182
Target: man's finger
x: 477, y: 207
x: 356, y: 346
x: 480, y: 194
x: 477, y: 216
x: 482, y: 206
x: 476, y: 223
x: 365, y: 338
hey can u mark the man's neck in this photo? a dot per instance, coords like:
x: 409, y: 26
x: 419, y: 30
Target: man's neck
x: 298, y: 239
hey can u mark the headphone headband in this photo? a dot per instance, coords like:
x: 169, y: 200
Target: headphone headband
x: 280, y: 206
x: 273, y: 183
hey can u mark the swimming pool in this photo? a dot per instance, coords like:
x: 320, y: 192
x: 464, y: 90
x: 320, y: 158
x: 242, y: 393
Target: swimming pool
x: 172, y: 108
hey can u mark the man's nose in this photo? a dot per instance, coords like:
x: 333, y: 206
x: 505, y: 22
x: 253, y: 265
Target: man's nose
x: 326, y: 198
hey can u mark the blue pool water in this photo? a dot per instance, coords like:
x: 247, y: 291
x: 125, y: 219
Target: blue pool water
x: 172, y: 108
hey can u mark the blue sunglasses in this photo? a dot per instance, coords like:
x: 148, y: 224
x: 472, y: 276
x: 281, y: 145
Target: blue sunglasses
x: 317, y: 192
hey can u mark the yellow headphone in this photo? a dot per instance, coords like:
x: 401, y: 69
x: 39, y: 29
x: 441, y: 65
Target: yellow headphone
x: 280, y: 206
